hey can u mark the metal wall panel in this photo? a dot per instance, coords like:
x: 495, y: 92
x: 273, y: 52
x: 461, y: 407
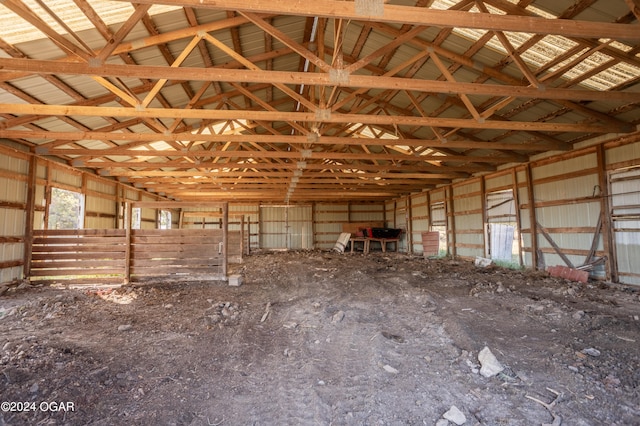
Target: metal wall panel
x: 65, y: 177
x: 564, y: 209
x: 366, y: 213
x: 419, y: 218
x: 577, y: 164
x: 14, y: 165
x: 286, y: 227
x: 469, y: 227
x: 499, y: 181
x: 99, y: 213
x: 12, y: 191
x: 328, y: 223
x: 13, y: 194
x: 251, y: 213
x: 400, y: 222
x: 624, y: 153
x: 625, y: 204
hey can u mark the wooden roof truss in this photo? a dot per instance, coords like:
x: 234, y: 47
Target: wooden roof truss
x: 358, y: 100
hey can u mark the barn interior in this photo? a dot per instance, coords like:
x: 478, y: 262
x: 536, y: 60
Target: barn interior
x: 331, y: 212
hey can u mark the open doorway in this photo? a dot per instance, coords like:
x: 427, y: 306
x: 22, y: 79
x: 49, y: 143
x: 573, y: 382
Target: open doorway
x: 438, y: 216
x: 502, y: 231
x: 164, y: 219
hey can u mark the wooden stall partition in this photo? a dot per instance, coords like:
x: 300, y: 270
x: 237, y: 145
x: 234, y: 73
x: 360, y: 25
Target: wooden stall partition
x: 78, y: 256
x: 177, y: 253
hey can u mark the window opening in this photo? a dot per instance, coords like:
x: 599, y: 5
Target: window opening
x: 66, y: 210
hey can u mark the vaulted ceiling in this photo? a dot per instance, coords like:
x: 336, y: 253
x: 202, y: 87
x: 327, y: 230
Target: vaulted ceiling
x: 292, y: 101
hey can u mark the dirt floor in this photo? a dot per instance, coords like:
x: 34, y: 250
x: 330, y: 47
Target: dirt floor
x: 324, y: 338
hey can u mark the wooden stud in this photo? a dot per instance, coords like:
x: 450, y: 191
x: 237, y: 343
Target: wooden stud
x: 29, y: 216
x: 516, y: 202
x: 611, y: 266
x: 485, y: 226
x: 47, y: 197
x: 532, y: 218
x: 451, y: 220
x: 128, y: 210
x: 408, y: 215
x: 225, y: 238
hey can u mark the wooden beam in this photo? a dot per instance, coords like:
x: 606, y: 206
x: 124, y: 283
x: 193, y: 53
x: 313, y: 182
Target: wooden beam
x: 123, y: 31
x: 319, y: 79
x: 265, y: 138
x: 301, y: 155
x: 177, y: 176
x: 107, y: 169
x: 390, y: 120
x: 419, y: 16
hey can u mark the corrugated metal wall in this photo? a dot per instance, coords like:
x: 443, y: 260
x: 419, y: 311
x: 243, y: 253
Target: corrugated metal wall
x: 328, y: 219
x: 469, y: 226
x: 286, y: 227
x: 419, y: 220
x: 100, y: 206
x: 13, y: 197
x: 625, y: 204
x: 568, y: 205
x: 369, y: 212
x: 251, y: 213
x: 562, y: 198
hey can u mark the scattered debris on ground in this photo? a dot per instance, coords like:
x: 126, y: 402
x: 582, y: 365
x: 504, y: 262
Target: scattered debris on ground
x: 319, y: 337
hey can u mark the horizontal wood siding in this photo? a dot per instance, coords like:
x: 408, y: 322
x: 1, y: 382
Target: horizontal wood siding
x: 99, y: 255
x: 193, y: 253
x: 78, y: 255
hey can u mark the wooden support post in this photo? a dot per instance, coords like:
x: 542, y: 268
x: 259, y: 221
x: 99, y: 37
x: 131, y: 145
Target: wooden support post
x: 429, y: 221
x: 259, y: 226
x: 395, y: 213
x: 407, y: 216
x: 118, y: 204
x: 47, y: 197
x: 314, y: 229
x: 128, y: 210
x: 249, y: 236
x: 241, y: 235
x: 611, y: 267
x: 29, y: 216
x: 83, y: 190
x: 451, y: 219
x: 225, y: 238
x: 532, y: 218
x: 485, y: 226
x: 516, y: 202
